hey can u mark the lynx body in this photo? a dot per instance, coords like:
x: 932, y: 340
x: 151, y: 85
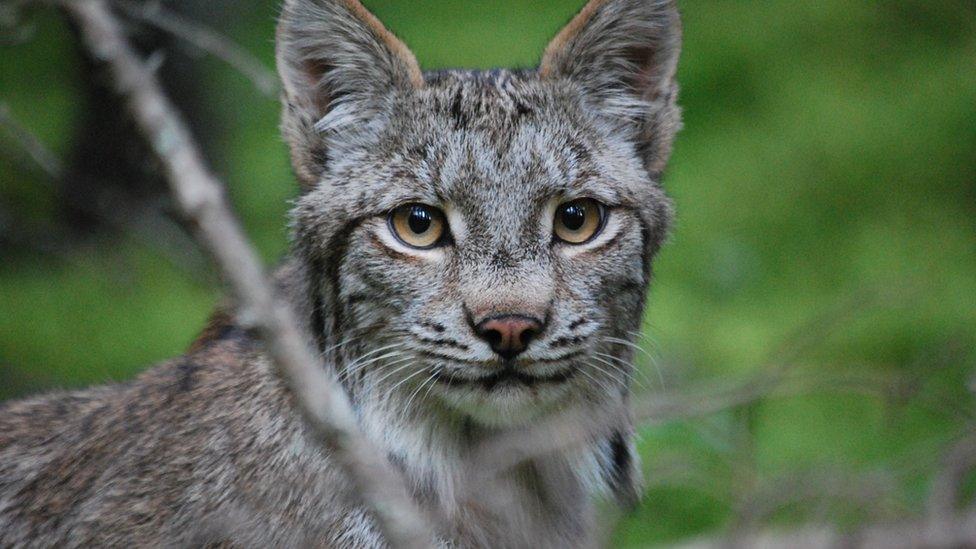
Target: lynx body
x: 471, y: 255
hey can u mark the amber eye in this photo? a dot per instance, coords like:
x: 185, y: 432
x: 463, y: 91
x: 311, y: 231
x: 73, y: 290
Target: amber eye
x: 418, y: 225
x: 578, y: 221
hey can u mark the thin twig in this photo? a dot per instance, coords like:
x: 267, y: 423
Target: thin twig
x: 153, y: 228
x: 13, y: 29
x: 939, y: 532
x: 698, y: 402
x: 33, y: 146
x: 862, y: 490
x: 946, y: 492
x: 206, y: 39
x: 198, y: 195
x: 504, y: 451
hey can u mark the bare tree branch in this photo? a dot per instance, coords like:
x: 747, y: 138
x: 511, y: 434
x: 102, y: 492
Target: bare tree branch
x: 506, y: 450
x: 945, y: 495
x: 205, y: 39
x: 33, y: 146
x: 199, y: 197
x: 939, y: 532
x: 13, y: 29
x: 663, y: 407
x: 861, y: 490
x: 153, y: 229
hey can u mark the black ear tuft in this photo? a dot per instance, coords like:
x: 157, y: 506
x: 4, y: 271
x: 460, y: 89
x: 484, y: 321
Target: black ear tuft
x: 339, y: 67
x: 624, y: 54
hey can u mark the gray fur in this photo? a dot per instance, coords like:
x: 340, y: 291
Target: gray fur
x: 207, y: 449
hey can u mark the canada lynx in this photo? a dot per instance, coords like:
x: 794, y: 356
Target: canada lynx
x: 471, y: 255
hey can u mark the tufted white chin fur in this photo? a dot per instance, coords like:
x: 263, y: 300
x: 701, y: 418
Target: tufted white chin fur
x: 509, y: 404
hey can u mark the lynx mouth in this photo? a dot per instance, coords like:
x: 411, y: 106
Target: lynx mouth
x: 506, y: 376
x: 510, y: 373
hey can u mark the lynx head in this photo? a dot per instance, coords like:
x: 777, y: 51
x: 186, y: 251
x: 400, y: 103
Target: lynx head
x: 480, y: 242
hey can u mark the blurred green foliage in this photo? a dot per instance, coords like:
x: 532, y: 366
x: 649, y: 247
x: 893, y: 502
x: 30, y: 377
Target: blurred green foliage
x: 825, y: 185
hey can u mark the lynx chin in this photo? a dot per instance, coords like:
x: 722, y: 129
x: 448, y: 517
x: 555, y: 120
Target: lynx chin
x: 471, y: 252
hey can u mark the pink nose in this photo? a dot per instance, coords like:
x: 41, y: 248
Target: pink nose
x: 508, y: 335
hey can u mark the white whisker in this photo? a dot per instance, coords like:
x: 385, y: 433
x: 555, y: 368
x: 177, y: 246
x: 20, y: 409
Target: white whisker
x: 345, y: 341
x: 601, y: 383
x: 627, y: 369
x: 650, y: 358
x: 604, y: 372
x: 404, y: 380
x: 417, y: 390
x: 359, y: 364
x: 404, y: 362
x: 430, y: 387
x: 622, y: 370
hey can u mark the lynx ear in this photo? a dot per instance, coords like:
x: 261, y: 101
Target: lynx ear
x: 624, y: 53
x: 340, y: 68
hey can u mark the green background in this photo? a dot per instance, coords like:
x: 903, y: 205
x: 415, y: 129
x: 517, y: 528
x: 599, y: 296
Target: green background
x: 825, y: 185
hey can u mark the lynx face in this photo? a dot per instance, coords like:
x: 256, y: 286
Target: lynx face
x: 480, y: 241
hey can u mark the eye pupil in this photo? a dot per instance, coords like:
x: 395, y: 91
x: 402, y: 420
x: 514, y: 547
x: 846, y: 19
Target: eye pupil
x: 573, y: 217
x: 577, y: 222
x: 419, y: 220
x: 418, y: 225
